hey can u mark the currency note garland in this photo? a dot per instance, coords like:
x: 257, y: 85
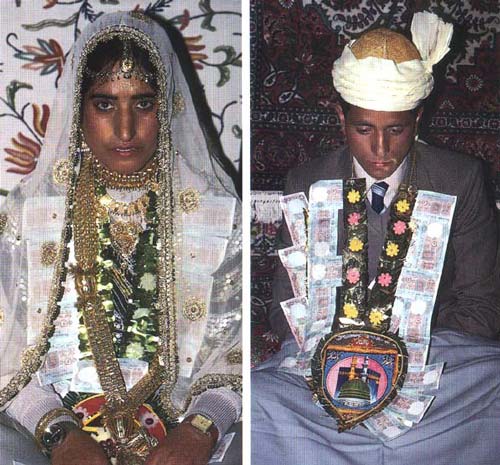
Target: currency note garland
x: 385, y: 327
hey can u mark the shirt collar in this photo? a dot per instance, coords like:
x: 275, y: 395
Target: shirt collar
x: 394, y: 180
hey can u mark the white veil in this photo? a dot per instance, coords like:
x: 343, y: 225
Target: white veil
x: 199, y: 267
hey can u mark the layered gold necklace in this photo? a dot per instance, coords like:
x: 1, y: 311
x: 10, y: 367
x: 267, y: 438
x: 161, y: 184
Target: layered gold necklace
x: 125, y: 229
x: 112, y: 180
x: 121, y: 405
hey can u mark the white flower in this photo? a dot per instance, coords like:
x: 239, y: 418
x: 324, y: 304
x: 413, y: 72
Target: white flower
x: 134, y: 350
x: 148, y: 282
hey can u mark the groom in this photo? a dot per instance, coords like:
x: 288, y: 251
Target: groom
x: 383, y: 80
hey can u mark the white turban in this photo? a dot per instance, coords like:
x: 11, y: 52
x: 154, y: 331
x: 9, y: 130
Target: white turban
x: 382, y: 84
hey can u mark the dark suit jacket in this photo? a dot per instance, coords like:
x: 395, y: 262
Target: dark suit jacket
x: 469, y: 293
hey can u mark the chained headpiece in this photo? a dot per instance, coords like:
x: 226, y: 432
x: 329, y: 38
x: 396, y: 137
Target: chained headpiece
x: 127, y: 69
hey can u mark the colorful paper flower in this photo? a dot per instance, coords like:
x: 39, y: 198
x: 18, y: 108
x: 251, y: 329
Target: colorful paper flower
x: 402, y: 206
x: 399, y: 227
x: 352, y: 275
x: 350, y: 311
x: 353, y: 196
x: 392, y: 249
x: 355, y: 245
x: 376, y: 317
x: 385, y: 279
x: 353, y: 219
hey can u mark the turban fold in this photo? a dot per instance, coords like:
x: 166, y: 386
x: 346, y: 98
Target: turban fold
x: 384, y: 71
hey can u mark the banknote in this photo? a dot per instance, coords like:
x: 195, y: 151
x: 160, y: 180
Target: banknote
x: 220, y: 452
x: 417, y: 324
x: 411, y: 407
x: 397, y: 313
x: 86, y: 379
x: 324, y: 263
x: 296, y: 313
x: 386, y: 426
x: 417, y: 354
x: 433, y: 204
x: 325, y: 203
x: 295, y: 207
x: 431, y: 243
x: 62, y: 387
x: 322, y: 301
x: 413, y: 283
x: 295, y: 262
x: 59, y: 362
x: 426, y: 379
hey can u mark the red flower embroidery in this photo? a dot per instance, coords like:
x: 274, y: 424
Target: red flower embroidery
x: 352, y: 275
x: 48, y: 57
x: 24, y: 154
x: 50, y: 3
x: 26, y: 151
x: 185, y: 18
x: 399, y: 227
x: 353, y: 219
x: 385, y: 279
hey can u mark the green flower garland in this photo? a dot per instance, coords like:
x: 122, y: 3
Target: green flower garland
x: 358, y: 304
x: 141, y: 334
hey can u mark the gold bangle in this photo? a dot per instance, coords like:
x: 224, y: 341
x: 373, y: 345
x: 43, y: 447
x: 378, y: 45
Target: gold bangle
x: 48, y: 418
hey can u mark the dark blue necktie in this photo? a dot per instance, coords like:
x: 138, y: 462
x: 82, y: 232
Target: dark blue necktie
x: 378, y: 192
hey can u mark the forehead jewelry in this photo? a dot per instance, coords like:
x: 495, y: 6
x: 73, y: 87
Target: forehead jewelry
x: 127, y: 68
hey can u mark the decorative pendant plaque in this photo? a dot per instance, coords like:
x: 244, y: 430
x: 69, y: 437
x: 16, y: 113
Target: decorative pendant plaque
x: 356, y: 373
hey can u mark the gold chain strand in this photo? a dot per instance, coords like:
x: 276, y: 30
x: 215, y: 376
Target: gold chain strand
x: 113, y: 180
x: 146, y: 386
x: 84, y: 219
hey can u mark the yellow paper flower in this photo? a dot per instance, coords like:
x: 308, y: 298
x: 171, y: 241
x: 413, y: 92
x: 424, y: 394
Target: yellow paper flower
x: 402, y: 206
x: 376, y: 317
x: 353, y: 196
x: 392, y: 249
x: 350, y: 311
x: 355, y: 245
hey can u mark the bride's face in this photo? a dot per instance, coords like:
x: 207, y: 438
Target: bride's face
x: 120, y: 123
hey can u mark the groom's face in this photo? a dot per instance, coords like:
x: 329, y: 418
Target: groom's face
x: 379, y: 140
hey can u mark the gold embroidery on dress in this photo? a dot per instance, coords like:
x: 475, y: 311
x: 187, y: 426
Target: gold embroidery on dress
x: 178, y: 104
x: 137, y: 14
x: 2, y: 317
x: 194, y: 309
x: 61, y: 172
x: 235, y: 357
x: 189, y: 200
x: 3, y: 222
x: 48, y: 253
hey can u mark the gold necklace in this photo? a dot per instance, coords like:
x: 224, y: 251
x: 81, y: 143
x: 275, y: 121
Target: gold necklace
x: 138, y: 206
x: 113, y: 180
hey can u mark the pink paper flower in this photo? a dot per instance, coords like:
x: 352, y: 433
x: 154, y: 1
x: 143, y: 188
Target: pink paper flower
x: 352, y: 275
x: 399, y: 227
x: 353, y: 218
x: 385, y: 279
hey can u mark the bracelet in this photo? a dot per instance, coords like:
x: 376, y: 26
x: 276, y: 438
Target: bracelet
x: 47, y: 419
